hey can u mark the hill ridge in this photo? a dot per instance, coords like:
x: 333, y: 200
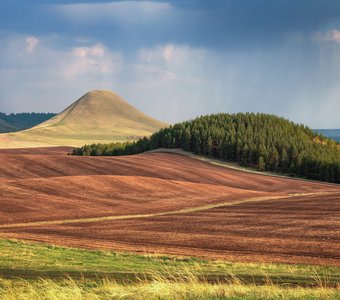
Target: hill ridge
x: 97, y: 116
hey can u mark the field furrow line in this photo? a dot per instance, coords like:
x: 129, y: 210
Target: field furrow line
x: 158, y: 214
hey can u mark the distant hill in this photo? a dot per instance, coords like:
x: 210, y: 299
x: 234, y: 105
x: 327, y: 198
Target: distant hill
x: 6, y: 127
x: 98, y: 116
x: 266, y: 142
x: 331, y: 133
x: 20, y: 121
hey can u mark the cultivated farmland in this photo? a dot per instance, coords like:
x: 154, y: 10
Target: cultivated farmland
x: 166, y: 203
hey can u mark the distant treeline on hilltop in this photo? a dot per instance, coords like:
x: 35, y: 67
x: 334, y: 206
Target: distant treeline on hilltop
x: 20, y: 121
x: 264, y: 141
x: 331, y: 133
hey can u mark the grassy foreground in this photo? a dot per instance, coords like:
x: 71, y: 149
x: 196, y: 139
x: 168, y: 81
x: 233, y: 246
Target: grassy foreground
x: 41, y: 271
x: 157, y: 289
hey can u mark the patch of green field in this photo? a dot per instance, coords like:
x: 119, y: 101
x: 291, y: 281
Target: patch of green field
x: 31, y: 260
x: 42, y: 271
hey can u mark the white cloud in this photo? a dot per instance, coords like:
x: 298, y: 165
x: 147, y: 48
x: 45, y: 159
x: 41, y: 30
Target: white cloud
x: 97, y: 50
x: 172, y: 54
x: 171, y: 63
x: 31, y: 43
x: 94, y: 60
x: 328, y: 36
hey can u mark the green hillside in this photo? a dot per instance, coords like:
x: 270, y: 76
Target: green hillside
x: 98, y: 116
x: 264, y: 141
x: 21, y: 121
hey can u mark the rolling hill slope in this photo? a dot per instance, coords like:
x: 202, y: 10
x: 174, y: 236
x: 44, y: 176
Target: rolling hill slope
x: 98, y: 116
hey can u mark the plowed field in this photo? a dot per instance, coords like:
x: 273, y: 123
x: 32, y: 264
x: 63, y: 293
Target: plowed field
x: 167, y: 203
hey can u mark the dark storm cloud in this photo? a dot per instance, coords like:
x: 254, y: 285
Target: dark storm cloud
x: 233, y: 23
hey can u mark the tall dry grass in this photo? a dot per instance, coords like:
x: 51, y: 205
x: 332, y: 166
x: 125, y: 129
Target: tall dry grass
x: 186, y: 285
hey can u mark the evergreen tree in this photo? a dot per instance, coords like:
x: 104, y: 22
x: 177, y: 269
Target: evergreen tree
x: 284, y: 160
x: 186, y: 138
x: 261, y: 164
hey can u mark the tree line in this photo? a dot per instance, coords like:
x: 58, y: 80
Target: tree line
x: 264, y: 141
x: 19, y: 121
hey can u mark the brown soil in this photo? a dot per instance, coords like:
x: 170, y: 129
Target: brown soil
x: 211, y: 211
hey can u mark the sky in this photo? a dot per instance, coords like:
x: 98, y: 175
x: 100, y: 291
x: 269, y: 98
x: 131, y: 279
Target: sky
x: 175, y: 60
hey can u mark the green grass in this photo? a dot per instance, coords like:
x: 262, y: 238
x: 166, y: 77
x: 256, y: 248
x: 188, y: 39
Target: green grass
x: 34, y: 260
x: 42, y: 271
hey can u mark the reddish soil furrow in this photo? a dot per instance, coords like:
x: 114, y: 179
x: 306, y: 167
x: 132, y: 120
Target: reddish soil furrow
x: 37, y: 151
x: 94, y: 196
x: 47, y: 185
